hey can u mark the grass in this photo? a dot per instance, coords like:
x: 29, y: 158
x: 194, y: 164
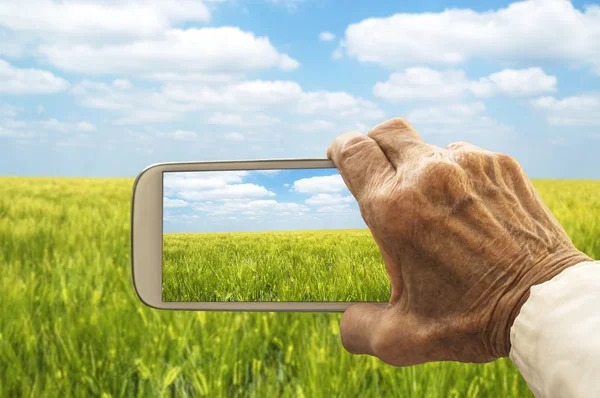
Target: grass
x: 72, y: 324
x: 274, y: 266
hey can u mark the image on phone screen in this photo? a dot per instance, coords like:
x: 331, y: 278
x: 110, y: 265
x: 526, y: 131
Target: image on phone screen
x: 267, y: 236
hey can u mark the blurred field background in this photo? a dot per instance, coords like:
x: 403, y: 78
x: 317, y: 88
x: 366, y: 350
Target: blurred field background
x: 72, y: 324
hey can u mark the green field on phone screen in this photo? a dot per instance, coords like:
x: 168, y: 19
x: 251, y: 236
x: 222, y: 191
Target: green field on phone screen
x: 336, y: 265
x: 72, y: 324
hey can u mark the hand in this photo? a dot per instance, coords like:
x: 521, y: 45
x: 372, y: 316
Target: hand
x: 463, y: 234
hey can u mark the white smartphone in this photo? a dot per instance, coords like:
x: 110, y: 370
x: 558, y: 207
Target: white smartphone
x: 263, y: 235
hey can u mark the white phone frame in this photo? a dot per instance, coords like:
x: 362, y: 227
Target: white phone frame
x: 147, y: 236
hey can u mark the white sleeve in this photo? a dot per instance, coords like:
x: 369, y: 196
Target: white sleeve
x: 556, y: 336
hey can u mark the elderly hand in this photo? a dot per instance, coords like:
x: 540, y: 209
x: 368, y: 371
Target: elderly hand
x: 464, y: 236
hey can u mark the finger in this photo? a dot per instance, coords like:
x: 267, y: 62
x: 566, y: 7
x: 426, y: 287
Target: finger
x: 395, y: 337
x: 399, y: 141
x: 463, y: 146
x: 361, y: 162
x: 360, y: 325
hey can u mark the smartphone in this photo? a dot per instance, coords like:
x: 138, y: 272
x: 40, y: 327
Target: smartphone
x: 263, y: 235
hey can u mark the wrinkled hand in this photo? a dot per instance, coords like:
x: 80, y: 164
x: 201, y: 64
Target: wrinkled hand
x: 463, y: 234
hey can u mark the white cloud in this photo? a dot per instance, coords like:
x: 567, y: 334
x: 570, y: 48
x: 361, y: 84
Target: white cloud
x: 421, y: 83
x: 581, y: 110
x: 4, y: 132
x: 236, y: 104
x: 362, y: 127
x: 143, y: 116
x: 29, y: 81
x: 98, y: 20
x: 202, y: 180
x: 233, y: 136
x: 8, y: 111
x: 12, y: 45
x: 232, y: 119
x: 250, y: 208
x: 13, y: 127
x: 259, y: 94
x: 53, y: 124
x: 179, y: 135
x: 445, y: 114
x: 341, y: 208
x: 515, y: 82
x: 526, y: 31
x: 338, y: 53
x: 136, y: 105
x: 133, y: 37
x: 122, y: 84
x: 586, y: 102
x: 326, y: 36
x: 321, y: 184
x: 291, y: 5
x: 85, y: 127
x: 458, y: 120
x: 221, y: 50
x: 228, y: 192
x: 480, y: 127
x: 324, y: 199
x: 111, y: 97
x: 316, y: 126
x: 204, y: 78
x: 267, y: 172
x: 180, y: 218
x: 247, y: 95
x: 174, y: 203
x: 340, y: 103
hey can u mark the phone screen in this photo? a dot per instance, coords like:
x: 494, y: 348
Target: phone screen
x: 267, y: 236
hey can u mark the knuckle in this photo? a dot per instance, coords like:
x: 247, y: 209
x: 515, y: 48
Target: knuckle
x: 512, y: 174
x: 397, y: 124
x: 470, y: 160
x: 458, y: 145
x: 353, y: 145
x: 443, y: 183
x: 508, y: 163
x: 440, y: 171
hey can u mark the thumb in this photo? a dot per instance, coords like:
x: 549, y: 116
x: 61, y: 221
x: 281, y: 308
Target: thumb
x: 378, y: 329
x: 359, y: 326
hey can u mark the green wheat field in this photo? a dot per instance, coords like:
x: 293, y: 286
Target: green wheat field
x: 72, y: 325
x: 338, y: 265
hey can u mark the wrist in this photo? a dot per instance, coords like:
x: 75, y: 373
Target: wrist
x: 510, y: 305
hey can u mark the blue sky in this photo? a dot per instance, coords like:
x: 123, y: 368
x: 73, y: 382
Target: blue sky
x: 106, y: 88
x: 247, y: 201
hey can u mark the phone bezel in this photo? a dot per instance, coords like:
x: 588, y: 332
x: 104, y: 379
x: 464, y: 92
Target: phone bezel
x: 147, y: 236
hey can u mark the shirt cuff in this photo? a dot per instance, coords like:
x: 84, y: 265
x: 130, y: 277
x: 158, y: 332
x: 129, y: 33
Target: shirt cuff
x: 555, y: 339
